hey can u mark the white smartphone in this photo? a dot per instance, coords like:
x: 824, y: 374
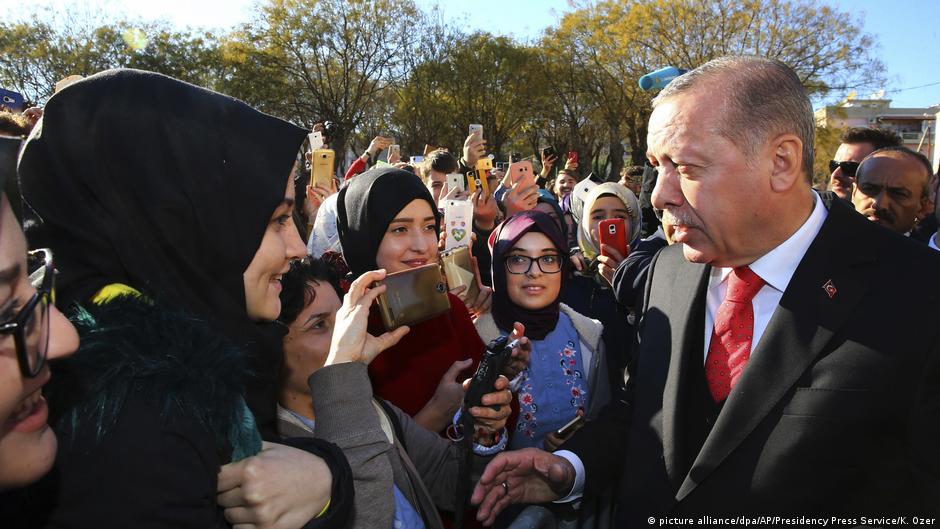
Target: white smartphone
x: 458, y: 221
x: 456, y: 181
x: 316, y: 140
x: 476, y: 127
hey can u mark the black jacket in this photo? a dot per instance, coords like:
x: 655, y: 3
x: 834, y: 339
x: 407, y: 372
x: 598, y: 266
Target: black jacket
x: 147, y: 411
x: 837, y: 412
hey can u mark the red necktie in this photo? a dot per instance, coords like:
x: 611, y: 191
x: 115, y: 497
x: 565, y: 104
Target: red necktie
x: 730, y: 347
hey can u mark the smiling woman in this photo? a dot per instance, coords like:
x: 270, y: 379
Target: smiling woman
x: 171, y: 225
x: 32, y: 331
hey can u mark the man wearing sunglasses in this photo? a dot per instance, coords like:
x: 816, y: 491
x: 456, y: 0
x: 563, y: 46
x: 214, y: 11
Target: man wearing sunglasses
x: 857, y: 143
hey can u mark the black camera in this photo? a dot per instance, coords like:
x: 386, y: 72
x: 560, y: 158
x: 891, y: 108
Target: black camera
x: 330, y: 129
x: 495, y: 358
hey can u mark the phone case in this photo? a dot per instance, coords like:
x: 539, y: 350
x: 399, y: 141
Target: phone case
x: 476, y: 128
x: 521, y: 171
x: 393, y: 149
x: 484, y: 164
x: 316, y: 140
x: 573, y: 156
x: 613, y: 233
x: 413, y: 296
x: 458, y: 221
x: 321, y: 168
x: 458, y: 270
x: 456, y: 180
x: 548, y: 151
x: 477, y: 180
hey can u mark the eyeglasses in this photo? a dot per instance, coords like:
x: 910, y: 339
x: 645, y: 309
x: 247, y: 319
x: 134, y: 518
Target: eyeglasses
x: 848, y: 168
x: 521, y: 264
x: 30, y: 327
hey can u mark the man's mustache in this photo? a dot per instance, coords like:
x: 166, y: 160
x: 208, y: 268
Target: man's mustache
x: 680, y: 218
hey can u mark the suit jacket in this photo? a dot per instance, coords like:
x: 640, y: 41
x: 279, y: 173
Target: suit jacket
x: 837, y: 411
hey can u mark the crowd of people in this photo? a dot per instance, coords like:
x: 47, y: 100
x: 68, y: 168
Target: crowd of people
x: 198, y: 333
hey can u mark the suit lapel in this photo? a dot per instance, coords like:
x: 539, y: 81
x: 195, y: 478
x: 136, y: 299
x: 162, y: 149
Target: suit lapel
x: 685, y: 312
x: 804, y: 322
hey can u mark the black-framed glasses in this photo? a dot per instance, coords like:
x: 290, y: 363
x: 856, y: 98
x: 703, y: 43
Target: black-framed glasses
x: 30, y: 327
x: 848, y: 168
x: 521, y: 264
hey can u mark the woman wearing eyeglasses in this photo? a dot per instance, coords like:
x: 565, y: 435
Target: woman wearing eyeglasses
x: 31, y: 331
x: 567, y: 375
x: 169, y: 209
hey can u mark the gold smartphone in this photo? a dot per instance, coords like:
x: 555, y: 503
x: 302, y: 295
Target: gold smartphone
x: 458, y: 270
x: 321, y: 168
x: 413, y: 296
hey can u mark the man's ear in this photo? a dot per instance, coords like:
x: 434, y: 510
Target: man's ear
x: 787, y: 155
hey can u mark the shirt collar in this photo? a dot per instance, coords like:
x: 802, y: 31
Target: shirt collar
x: 933, y: 242
x: 777, y: 266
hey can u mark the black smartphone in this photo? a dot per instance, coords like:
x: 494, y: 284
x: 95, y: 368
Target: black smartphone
x: 566, y: 430
x: 548, y: 152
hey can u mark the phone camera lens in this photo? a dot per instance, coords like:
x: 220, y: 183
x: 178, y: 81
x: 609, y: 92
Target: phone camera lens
x: 441, y: 288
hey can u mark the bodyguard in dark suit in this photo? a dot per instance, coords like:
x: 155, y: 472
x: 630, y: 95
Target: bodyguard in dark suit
x: 789, y: 357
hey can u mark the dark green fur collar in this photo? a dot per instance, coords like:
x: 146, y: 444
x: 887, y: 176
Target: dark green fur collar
x: 173, y: 360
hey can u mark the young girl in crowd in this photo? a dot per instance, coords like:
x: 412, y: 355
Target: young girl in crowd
x: 169, y: 209
x: 402, y: 472
x: 567, y: 373
x: 588, y: 292
x: 32, y: 332
x: 387, y: 220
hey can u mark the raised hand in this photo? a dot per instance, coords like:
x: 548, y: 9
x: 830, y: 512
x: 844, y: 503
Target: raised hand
x: 351, y: 341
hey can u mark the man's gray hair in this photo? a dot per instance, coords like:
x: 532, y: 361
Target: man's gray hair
x: 763, y: 98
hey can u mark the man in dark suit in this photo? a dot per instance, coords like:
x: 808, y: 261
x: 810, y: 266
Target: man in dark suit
x: 789, y: 357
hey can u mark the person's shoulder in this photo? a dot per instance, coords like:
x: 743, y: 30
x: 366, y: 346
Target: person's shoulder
x: 589, y: 329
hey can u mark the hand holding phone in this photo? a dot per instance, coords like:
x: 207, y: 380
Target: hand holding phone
x: 413, y: 296
x: 459, y: 271
x: 321, y: 168
x: 456, y: 181
x: 613, y: 233
x: 458, y: 223
x: 520, y: 173
x: 394, y: 153
x: 570, y: 427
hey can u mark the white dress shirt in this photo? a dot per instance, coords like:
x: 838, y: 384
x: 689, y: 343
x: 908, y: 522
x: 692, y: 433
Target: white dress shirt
x: 933, y: 242
x: 776, y: 268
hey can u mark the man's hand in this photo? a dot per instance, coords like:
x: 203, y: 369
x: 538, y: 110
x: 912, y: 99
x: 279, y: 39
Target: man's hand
x: 519, y: 359
x: 280, y: 488
x: 351, y: 341
x: 571, y: 165
x: 529, y: 475
x: 439, y: 411
x: 486, y: 421
x: 610, y: 262
x: 474, y: 148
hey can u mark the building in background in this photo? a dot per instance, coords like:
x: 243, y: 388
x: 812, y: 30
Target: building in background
x: 917, y: 127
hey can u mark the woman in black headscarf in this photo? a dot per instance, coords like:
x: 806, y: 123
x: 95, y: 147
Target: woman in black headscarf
x: 386, y: 218
x: 169, y: 209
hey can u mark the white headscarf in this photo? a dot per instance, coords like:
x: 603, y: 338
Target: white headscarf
x: 325, y: 236
x: 588, y: 247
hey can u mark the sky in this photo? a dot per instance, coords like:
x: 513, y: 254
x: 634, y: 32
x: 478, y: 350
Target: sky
x: 906, y: 30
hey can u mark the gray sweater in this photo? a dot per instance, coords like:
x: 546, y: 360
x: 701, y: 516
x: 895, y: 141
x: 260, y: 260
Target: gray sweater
x: 347, y: 415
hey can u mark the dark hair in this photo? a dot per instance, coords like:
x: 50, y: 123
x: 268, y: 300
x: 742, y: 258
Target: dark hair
x: 297, y: 291
x: 879, y: 138
x: 634, y: 170
x: 441, y: 161
x: 919, y: 156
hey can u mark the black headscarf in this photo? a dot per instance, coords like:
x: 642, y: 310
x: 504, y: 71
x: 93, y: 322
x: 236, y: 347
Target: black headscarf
x: 538, y: 323
x: 367, y: 205
x: 141, y: 179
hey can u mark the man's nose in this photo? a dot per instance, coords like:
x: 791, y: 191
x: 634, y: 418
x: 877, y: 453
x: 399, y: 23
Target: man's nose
x: 667, y: 192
